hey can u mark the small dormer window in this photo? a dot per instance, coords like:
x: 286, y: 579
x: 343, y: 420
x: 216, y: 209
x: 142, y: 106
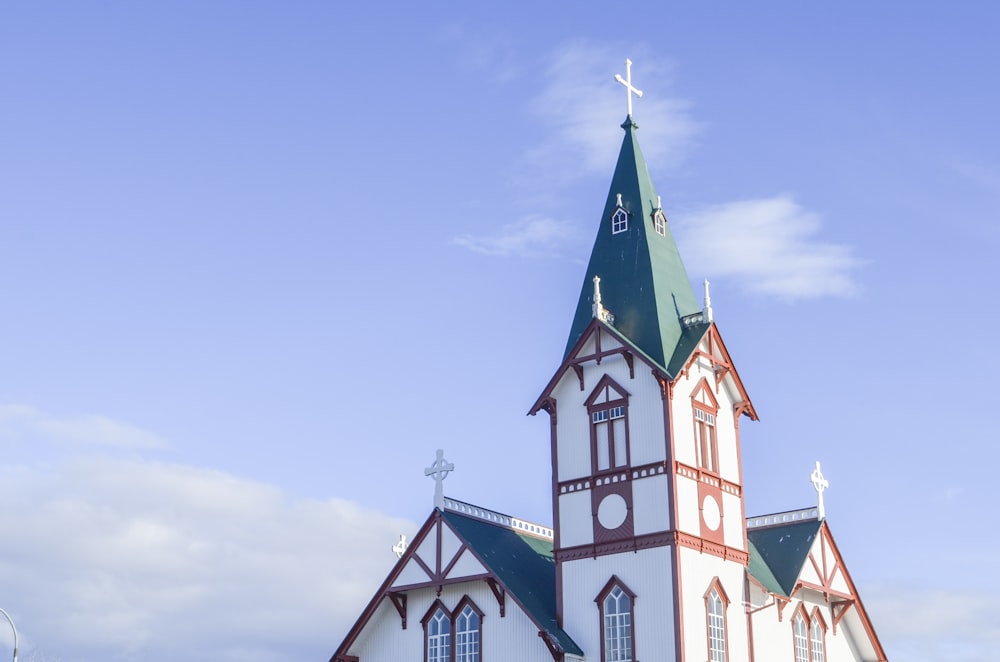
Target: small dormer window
x: 660, y: 223
x: 659, y: 219
x: 619, y: 219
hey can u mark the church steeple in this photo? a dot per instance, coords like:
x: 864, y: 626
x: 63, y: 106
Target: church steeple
x: 642, y: 277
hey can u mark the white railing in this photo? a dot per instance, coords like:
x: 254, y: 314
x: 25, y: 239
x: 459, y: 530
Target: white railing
x: 783, y: 518
x: 515, y: 523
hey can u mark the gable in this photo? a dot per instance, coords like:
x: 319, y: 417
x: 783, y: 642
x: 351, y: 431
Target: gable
x: 706, y: 345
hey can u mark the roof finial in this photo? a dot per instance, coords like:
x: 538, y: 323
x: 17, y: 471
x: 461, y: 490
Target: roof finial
x: 439, y: 470
x: 619, y: 201
x: 820, y: 483
x: 627, y: 82
x: 659, y: 204
x: 400, y: 547
x: 600, y: 312
x: 708, y: 304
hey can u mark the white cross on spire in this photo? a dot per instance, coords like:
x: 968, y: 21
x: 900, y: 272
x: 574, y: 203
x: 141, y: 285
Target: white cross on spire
x: 627, y: 82
x: 819, y: 483
x: 439, y: 470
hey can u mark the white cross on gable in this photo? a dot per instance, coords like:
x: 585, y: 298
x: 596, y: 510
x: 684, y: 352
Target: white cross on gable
x: 400, y: 547
x: 820, y: 484
x: 627, y: 82
x: 439, y: 470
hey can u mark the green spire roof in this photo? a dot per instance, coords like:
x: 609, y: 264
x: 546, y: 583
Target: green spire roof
x: 643, y: 280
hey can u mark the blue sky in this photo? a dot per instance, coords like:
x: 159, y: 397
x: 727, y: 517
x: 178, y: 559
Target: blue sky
x: 259, y: 260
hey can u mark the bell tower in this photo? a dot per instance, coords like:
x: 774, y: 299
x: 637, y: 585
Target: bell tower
x: 644, y: 430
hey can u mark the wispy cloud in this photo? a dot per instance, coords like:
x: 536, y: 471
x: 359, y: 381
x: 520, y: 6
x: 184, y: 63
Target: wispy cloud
x: 534, y: 236
x: 769, y: 247
x: 111, y: 559
x: 584, y: 105
x: 27, y: 424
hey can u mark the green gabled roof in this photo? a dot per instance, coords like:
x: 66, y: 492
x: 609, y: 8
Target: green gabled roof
x: 643, y: 280
x: 523, y: 564
x: 783, y: 550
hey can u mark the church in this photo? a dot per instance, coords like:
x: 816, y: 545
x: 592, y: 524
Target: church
x: 651, y: 556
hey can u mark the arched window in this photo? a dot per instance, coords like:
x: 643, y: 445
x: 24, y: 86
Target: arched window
x: 801, y: 633
x: 467, y: 632
x: 437, y: 633
x: 617, y: 636
x: 817, y: 636
x: 716, y: 602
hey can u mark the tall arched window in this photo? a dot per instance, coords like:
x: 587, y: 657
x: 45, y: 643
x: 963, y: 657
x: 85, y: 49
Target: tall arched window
x: 616, y: 602
x: 716, y: 602
x: 467, y: 632
x: 817, y: 635
x: 437, y: 633
x: 801, y: 634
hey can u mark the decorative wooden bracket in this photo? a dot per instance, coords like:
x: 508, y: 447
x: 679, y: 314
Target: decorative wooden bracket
x: 782, y: 603
x: 399, y: 602
x: 554, y: 648
x: 630, y: 360
x: 500, y: 594
x: 578, y: 369
x: 840, y: 608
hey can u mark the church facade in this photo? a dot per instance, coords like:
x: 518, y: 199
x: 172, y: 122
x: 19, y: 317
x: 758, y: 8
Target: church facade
x: 651, y: 556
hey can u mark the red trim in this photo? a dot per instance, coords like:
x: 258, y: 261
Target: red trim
x: 724, y: 367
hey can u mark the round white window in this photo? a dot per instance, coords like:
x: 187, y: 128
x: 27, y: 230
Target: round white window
x: 612, y: 511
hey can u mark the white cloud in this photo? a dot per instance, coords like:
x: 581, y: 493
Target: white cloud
x: 926, y: 625
x: 768, y: 247
x: 115, y: 560
x: 585, y: 105
x: 28, y: 424
x: 534, y: 236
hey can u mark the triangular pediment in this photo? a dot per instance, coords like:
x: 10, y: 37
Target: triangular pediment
x: 712, y: 351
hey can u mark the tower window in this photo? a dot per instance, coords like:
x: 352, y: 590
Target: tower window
x: 619, y: 221
x: 715, y: 613
x: 617, y: 637
x: 608, y: 425
x: 707, y: 442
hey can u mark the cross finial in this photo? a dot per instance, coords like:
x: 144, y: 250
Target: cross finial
x: 400, y: 547
x: 627, y: 82
x: 819, y: 483
x: 439, y: 470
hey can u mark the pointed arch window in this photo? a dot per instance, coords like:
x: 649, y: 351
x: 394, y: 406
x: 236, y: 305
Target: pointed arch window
x: 468, y: 631
x: 800, y: 628
x: 616, y: 602
x: 817, y: 637
x: 705, y: 408
x: 437, y: 628
x: 453, y: 635
x: 608, y: 410
x: 716, y: 602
